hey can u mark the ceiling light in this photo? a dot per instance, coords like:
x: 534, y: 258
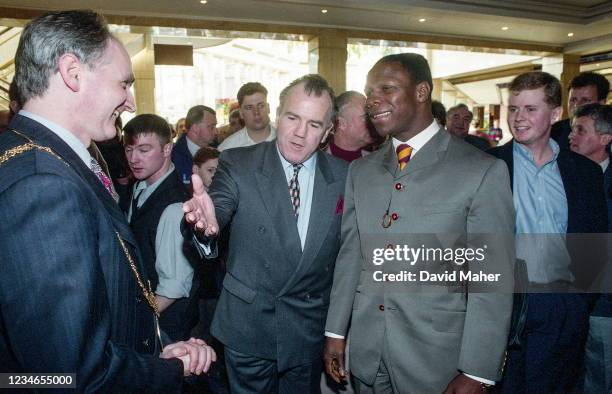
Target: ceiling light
x: 324, y: 11
x: 570, y: 34
x: 203, y: 1
x: 504, y: 28
x: 422, y: 20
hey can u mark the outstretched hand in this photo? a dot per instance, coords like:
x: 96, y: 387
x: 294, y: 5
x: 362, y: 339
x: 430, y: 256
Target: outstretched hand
x: 200, y: 210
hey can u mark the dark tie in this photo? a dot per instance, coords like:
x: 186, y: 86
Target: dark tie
x: 135, y: 204
x: 294, y: 189
x: 106, y: 182
x: 403, y: 155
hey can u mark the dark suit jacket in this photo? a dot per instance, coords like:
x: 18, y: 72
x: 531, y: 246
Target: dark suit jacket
x: 69, y: 301
x: 182, y: 159
x: 560, y: 132
x: 275, y: 297
x: 587, y: 213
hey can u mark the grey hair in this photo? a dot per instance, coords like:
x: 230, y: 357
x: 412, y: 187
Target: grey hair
x: 459, y: 106
x: 601, y: 115
x: 313, y: 83
x: 346, y: 98
x: 45, y: 39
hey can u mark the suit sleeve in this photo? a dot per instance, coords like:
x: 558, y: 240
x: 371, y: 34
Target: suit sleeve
x: 490, y: 222
x: 348, y: 266
x: 224, y: 190
x: 53, y: 299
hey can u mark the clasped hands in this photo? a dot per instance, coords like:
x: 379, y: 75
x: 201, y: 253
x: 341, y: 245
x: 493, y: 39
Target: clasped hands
x: 195, y: 354
x: 200, y: 210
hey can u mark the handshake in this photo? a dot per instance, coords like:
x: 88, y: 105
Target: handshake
x: 195, y: 354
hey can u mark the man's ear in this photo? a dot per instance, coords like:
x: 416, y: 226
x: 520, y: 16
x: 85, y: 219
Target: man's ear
x: 195, y: 169
x: 556, y: 114
x: 605, y: 139
x: 326, y: 133
x: 423, y: 92
x: 168, y: 149
x: 71, y: 70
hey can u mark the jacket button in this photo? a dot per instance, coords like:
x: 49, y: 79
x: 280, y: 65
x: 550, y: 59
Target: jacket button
x: 307, y: 296
x: 146, y: 343
x: 381, y: 307
x: 399, y: 186
x: 138, y: 299
x: 261, y: 229
x: 394, y: 216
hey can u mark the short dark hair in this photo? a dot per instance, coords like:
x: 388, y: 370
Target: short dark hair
x: 249, y: 89
x: 439, y: 112
x: 45, y: 39
x: 204, y: 154
x: 196, y: 114
x: 601, y: 115
x: 539, y: 79
x: 147, y: 124
x: 589, y: 78
x: 313, y: 84
x: 414, y: 64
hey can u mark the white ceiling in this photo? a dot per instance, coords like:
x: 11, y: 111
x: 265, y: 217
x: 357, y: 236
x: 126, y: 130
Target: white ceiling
x: 537, y: 22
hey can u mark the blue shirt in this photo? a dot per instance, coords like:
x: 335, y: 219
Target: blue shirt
x: 541, y: 209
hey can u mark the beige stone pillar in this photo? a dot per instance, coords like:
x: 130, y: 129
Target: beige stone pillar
x: 327, y: 56
x: 143, y: 65
x: 436, y: 93
x: 565, y: 67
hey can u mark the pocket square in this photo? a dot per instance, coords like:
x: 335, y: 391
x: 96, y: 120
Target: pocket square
x: 340, y: 206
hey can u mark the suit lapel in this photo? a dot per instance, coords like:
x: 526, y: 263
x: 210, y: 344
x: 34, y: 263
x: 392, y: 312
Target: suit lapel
x: 321, y: 215
x: 274, y: 192
x: 428, y: 155
x: 45, y: 137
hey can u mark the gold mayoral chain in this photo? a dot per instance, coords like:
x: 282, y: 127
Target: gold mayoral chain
x: 30, y: 145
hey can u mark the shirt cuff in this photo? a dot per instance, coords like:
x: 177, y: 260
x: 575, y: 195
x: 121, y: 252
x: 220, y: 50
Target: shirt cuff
x: 481, y: 380
x: 205, y: 246
x: 332, y: 335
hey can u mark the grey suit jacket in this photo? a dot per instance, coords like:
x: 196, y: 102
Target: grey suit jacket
x: 449, y: 188
x: 275, y: 297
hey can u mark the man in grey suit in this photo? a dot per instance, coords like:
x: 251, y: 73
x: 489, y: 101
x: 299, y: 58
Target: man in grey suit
x: 402, y: 340
x: 284, y: 200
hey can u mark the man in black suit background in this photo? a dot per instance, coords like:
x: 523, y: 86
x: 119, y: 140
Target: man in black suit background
x: 74, y: 296
x: 585, y: 88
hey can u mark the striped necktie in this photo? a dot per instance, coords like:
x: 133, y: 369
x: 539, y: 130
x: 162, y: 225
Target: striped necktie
x: 403, y: 155
x: 294, y: 190
x: 106, y: 182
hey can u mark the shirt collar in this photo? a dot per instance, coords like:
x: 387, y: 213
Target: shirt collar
x: 525, y: 153
x: 70, y: 139
x: 192, y: 146
x: 309, y: 164
x: 419, y: 140
x: 604, y: 164
x: 142, y: 185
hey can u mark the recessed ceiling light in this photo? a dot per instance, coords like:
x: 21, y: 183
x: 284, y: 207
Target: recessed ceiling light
x: 203, y: 1
x: 570, y: 34
x: 504, y: 28
x: 422, y: 20
x: 324, y: 11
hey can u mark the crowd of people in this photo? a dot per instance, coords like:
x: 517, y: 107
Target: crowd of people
x: 150, y: 257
